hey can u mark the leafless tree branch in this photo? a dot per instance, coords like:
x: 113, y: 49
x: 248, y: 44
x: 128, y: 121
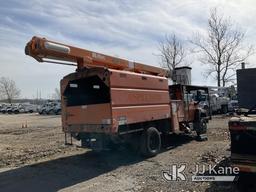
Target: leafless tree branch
x: 222, y: 49
x: 8, y: 89
x: 172, y: 52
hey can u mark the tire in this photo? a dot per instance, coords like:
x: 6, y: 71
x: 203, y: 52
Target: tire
x: 150, y: 142
x: 58, y: 112
x: 44, y: 112
x: 203, y: 127
x: 51, y: 112
x: 224, y: 109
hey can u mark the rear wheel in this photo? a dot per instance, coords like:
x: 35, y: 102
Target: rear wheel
x: 150, y: 142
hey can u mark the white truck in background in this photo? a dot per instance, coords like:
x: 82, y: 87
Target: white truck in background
x: 218, y: 104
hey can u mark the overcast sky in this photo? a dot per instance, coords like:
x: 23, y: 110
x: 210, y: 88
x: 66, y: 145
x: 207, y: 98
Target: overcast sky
x: 129, y: 29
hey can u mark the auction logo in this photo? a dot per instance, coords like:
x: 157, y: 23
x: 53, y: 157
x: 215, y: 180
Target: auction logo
x: 201, y: 173
x: 175, y: 173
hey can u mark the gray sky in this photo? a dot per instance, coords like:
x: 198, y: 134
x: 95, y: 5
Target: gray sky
x: 128, y: 29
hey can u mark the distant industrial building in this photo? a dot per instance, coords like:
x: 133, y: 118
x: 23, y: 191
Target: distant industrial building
x: 182, y: 75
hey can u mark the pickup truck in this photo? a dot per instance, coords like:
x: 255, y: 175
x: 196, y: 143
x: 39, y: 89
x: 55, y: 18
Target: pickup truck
x: 218, y: 104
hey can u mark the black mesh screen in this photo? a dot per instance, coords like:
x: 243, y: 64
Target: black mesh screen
x: 86, y: 91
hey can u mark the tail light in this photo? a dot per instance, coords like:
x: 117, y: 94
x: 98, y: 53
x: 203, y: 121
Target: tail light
x: 236, y: 126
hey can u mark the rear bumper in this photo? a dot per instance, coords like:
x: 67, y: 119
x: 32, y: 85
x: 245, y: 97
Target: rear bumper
x: 98, y: 141
x: 88, y: 128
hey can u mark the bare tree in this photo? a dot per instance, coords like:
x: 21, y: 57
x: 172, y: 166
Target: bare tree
x: 172, y: 52
x: 222, y: 48
x: 8, y: 89
x: 56, y: 95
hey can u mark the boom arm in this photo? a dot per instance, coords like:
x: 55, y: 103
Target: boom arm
x: 44, y: 50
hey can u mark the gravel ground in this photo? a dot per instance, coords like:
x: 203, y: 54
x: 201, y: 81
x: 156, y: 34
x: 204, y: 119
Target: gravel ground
x: 33, y: 157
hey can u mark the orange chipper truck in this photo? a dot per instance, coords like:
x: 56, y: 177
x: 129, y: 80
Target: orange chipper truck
x: 109, y: 100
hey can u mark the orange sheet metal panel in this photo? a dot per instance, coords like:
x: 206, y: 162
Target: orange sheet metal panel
x: 126, y: 79
x: 138, y: 98
x: 191, y: 112
x: 130, y: 97
x: 88, y: 114
x: 134, y: 98
x: 178, y: 108
x: 136, y: 114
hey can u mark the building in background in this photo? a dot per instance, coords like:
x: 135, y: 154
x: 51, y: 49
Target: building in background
x: 182, y: 75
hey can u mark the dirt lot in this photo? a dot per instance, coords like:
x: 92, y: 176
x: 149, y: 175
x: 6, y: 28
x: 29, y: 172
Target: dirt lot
x: 33, y: 157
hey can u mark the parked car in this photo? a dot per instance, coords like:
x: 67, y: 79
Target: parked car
x: 57, y: 109
x: 4, y: 109
x: 16, y: 108
x: 2, y: 106
x: 42, y: 110
x: 28, y: 108
x: 49, y: 108
x: 9, y: 109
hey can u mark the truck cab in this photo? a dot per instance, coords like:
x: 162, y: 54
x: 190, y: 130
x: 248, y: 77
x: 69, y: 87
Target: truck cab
x: 185, y: 100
